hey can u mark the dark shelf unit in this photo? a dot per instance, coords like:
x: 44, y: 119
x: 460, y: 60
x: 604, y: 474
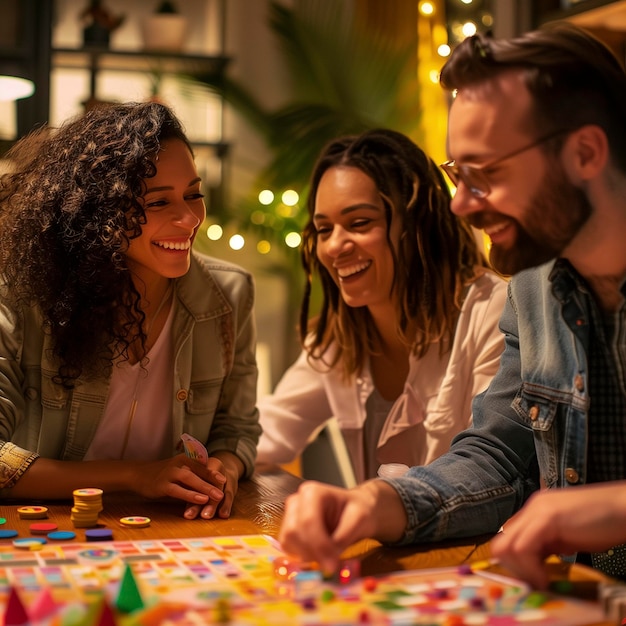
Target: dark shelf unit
x: 95, y: 60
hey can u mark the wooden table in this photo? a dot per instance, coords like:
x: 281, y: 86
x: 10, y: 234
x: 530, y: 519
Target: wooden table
x: 258, y: 509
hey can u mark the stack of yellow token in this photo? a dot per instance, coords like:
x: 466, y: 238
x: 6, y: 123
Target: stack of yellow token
x: 32, y: 512
x: 87, y: 506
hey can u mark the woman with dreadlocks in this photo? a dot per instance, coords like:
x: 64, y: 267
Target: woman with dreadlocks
x: 407, y: 333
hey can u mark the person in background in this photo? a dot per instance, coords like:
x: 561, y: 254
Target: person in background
x: 407, y: 333
x: 115, y: 338
x: 537, y: 137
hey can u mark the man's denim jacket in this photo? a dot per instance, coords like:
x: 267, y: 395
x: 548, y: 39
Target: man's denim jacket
x: 215, y: 376
x: 529, y: 425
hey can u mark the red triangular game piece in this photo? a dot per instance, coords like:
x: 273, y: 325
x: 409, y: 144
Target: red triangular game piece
x: 43, y: 606
x: 107, y: 617
x: 15, y: 613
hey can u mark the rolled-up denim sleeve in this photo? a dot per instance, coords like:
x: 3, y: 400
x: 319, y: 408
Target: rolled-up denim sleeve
x: 14, y: 461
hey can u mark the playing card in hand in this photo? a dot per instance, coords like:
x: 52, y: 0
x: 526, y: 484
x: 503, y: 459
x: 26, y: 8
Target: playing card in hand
x: 194, y: 449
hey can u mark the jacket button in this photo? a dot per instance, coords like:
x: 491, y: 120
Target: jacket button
x: 181, y: 395
x: 579, y: 383
x: 31, y: 393
x: 571, y: 476
x: 533, y: 413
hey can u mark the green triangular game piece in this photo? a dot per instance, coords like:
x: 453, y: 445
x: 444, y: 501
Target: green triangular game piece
x: 128, y: 598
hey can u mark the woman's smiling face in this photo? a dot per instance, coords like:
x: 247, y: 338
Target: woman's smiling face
x: 352, y: 244
x: 174, y: 208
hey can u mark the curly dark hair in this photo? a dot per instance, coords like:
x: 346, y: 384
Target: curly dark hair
x: 437, y: 256
x: 574, y: 78
x: 68, y: 209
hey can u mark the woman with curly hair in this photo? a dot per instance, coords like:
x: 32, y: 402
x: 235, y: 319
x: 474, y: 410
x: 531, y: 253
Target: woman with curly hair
x: 116, y: 338
x: 407, y: 333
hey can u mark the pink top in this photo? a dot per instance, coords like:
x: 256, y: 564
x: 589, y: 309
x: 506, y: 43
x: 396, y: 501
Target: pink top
x: 137, y: 420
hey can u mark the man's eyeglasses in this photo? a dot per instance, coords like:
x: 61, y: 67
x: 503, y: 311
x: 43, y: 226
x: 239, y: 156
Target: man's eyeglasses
x: 473, y: 176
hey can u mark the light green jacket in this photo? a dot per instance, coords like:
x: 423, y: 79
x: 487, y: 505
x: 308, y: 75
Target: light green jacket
x: 215, y: 377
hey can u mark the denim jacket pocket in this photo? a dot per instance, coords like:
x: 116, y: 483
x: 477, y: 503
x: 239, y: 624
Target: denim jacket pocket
x: 53, y: 395
x: 204, y: 397
x: 539, y: 408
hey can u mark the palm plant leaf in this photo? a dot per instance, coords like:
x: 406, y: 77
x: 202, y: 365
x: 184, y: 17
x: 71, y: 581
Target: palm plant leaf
x: 344, y: 79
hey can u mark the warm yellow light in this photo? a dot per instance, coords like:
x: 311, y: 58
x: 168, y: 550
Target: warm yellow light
x: 14, y: 88
x: 443, y: 50
x: 434, y: 76
x: 214, y: 232
x: 293, y: 239
x: 236, y: 242
x: 290, y: 197
x: 469, y: 29
x: 263, y: 247
x: 427, y: 8
x: 266, y: 197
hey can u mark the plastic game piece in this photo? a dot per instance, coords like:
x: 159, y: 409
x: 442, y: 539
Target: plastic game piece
x: 106, y: 617
x: 99, y: 534
x: 32, y: 512
x: 42, y: 528
x: 3, y: 520
x: 61, y: 535
x: 15, y: 613
x: 7, y: 533
x: 29, y: 543
x: 535, y: 599
x: 43, y: 606
x: 349, y: 570
x: 128, y: 599
x: 306, y: 584
x: 98, y: 557
x: 87, y: 506
x: 136, y: 521
x: 222, y: 611
x: 328, y: 595
x: 285, y: 568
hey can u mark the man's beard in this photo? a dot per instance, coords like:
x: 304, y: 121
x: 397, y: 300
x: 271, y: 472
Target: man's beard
x: 554, y: 216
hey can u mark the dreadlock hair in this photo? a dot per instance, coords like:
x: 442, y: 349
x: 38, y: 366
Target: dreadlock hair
x: 68, y: 210
x: 435, y: 259
x: 573, y: 77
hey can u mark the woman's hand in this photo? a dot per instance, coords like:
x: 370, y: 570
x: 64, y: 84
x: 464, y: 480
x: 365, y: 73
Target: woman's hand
x: 226, y: 469
x: 184, y: 479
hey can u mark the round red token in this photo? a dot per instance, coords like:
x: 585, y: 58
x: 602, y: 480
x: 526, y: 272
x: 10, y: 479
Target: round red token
x: 42, y: 528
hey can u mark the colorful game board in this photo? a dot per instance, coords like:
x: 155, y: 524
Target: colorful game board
x: 246, y: 580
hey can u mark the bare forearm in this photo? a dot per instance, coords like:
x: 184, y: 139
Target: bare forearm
x: 388, y: 515
x: 52, y: 479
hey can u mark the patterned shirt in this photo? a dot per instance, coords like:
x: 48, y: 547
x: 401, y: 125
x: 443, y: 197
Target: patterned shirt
x: 606, y: 447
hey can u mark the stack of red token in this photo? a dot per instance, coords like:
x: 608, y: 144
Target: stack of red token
x: 87, y: 506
